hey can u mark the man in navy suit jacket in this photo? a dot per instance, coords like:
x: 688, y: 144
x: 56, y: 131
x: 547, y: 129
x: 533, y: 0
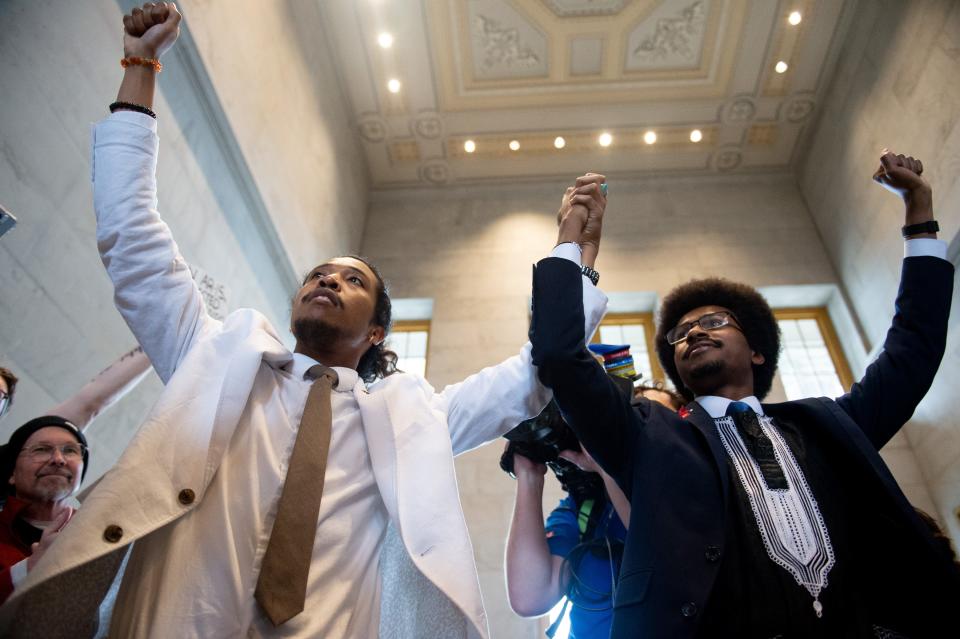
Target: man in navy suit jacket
x: 753, y: 520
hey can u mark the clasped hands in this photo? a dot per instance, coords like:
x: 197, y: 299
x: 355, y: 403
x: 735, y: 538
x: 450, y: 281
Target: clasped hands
x: 580, y: 218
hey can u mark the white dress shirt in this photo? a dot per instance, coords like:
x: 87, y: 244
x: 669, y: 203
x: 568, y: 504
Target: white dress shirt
x: 207, y: 593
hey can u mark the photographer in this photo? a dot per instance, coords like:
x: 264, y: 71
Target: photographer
x: 577, y: 554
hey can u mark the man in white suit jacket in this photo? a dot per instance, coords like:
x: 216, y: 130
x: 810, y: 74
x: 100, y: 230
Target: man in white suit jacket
x: 197, y: 487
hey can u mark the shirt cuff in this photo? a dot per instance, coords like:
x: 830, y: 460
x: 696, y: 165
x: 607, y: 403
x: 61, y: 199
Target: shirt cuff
x: 569, y: 251
x: 18, y: 572
x: 134, y: 117
x: 925, y: 246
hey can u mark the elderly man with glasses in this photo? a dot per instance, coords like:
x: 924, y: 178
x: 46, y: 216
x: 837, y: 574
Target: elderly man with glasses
x: 44, y: 461
x: 762, y: 520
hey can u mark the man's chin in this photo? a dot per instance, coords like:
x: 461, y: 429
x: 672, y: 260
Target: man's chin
x: 706, y: 369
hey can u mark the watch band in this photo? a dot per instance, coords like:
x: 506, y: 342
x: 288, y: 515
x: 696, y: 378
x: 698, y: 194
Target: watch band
x: 591, y: 274
x: 930, y: 226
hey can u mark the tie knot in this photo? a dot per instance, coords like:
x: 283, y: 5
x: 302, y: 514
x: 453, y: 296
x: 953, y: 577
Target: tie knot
x: 319, y: 370
x: 737, y: 408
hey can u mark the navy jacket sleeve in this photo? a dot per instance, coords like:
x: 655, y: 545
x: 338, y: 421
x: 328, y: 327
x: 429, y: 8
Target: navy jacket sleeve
x: 884, y: 400
x: 598, y: 412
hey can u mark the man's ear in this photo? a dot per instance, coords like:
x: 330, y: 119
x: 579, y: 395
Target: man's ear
x: 10, y: 481
x: 757, y: 359
x: 376, y: 335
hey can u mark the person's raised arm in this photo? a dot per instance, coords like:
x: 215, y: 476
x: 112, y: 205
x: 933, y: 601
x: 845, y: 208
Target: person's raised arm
x: 595, y: 408
x: 101, y: 392
x: 533, y: 574
x: 893, y: 385
x: 491, y: 402
x: 153, y: 288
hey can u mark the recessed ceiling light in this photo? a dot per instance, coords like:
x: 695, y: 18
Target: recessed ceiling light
x: 385, y: 40
x: 781, y: 67
x: 696, y: 135
x: 393, y: 85
x: 559, y: 142
x: 469, y: 146
x: 605, y: 139
x: 795, y: 18
x: 649, y: 137
x: 514, y: 145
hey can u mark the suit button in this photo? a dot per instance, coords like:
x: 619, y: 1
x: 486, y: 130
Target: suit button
x: 112, y: 533
x: 712, y: 554
x: 688, y: 609
x: 186, y: 497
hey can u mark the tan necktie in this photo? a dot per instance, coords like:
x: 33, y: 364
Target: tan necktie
x: 282, y: 585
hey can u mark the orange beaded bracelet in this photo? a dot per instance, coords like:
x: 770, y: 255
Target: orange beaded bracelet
x: 142, y: 62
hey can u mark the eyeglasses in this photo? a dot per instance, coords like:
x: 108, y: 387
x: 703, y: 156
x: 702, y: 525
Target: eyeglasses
x: 4, y: 402
x: 708, y: 322
x: 44, y: 452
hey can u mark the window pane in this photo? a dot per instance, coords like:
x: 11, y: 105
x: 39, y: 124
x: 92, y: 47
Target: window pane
x: 411, y: 350
x: 806, y: 367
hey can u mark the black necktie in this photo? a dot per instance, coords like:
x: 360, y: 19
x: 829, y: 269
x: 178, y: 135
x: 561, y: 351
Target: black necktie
x: 759, y: 445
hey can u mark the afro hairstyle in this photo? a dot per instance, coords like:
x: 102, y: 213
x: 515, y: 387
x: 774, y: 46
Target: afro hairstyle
x: 751, y: 310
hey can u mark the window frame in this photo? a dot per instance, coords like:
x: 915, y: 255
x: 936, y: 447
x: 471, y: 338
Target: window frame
x: 415, y: 326
x: 829, y: 333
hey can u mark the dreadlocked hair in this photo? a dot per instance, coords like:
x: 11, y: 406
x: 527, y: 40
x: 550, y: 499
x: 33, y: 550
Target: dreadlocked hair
x: 748, y: 306
x: 378, y: 361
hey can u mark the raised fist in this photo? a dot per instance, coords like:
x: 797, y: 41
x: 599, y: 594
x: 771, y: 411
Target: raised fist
x: 901, y: 174
x: 150, y: 31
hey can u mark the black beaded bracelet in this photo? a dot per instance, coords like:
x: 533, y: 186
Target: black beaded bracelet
x: 130, y: 106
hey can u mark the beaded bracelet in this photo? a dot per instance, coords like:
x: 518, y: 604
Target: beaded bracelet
x: 130, y: 106
x: 142, y: 62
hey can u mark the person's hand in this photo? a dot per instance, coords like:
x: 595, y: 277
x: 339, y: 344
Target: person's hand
x: 903, y: 175
x: 524, y: 468
x: 150, y: 31
x: 580, y: 217
x: 582, y: 460
x: 48, y: 537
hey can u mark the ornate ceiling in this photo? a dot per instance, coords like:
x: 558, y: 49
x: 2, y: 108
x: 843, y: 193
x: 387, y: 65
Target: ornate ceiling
x: 527, y: 71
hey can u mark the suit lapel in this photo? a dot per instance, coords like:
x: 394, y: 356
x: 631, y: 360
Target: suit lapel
x: 701, y: 419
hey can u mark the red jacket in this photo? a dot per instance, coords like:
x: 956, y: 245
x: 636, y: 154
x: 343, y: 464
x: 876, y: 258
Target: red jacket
x: 12, y: 547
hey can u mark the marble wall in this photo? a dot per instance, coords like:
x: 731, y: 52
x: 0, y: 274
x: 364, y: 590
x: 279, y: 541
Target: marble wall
x: 895, y: 87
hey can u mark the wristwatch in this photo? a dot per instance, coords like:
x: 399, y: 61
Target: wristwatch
x: 591, y: 274
x: 930, y: 226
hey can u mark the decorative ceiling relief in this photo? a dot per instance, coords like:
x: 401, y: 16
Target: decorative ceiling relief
x: 739, y: 110
x: 538, y: 89
x: 504, y: 44
x: 435, y: 171
x: 428, y: 125
x: 797, y: 108
x: 671, y: 37
x: 372, y: 128
x: 579, y: 8
x: 727, y: 158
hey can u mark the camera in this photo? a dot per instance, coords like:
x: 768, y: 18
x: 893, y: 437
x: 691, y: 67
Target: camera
x: 540, y: 439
